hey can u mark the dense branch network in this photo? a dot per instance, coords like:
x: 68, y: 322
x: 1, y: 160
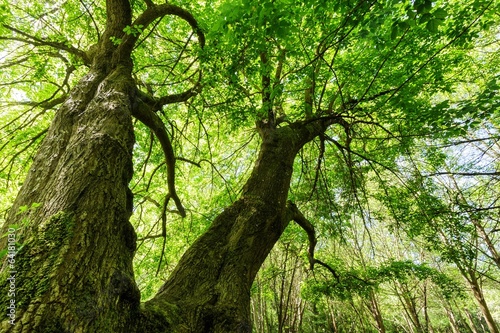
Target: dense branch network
x: 147, y: 105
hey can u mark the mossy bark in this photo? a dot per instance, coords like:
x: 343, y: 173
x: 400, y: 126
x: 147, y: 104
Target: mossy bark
x: 210, y: 287
x: 73, y: 272
x: 73, y: 268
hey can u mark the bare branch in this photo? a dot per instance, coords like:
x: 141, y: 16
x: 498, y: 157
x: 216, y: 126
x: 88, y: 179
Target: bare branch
x: 148, y: 237
x: 145, y: 114
x: 30, y: 142
x: 92, y: 18
x: 189, y: 161
x: 152, y: 13
x: 35, y: 41
x: 46, y: 104
x: 297, y: 216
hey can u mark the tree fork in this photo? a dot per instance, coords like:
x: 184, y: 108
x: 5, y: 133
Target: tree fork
x: 209, y: 290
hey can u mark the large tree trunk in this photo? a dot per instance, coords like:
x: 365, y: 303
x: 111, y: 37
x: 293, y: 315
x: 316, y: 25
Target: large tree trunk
x: 74, y: 270
x: 74, y: 273
x: 209, y: 291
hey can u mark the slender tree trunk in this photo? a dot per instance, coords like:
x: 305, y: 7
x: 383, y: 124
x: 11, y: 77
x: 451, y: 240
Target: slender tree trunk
x: 374, y: 308
x: 333, y: 319
x: 409, y: 306
x: 483, y: 306
x: 472, y: 325
x: 428, y: 327
x: 451, y: 316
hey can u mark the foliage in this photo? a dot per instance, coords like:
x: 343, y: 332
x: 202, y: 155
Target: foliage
x: 414, y: 162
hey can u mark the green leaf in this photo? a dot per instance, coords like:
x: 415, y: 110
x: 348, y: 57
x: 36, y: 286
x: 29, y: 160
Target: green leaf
x: 440, y: 13
x: 404, y: 25
x: 394, y: 32
x: 433, y: 25
x: 115, y: 40
x: 420, y: 9
x: 3, y: 253
x: 22, y: 209
x: 411, y: 13
x: 426, y: 17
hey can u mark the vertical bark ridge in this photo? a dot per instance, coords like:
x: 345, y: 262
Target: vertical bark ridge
x: 74, y: 271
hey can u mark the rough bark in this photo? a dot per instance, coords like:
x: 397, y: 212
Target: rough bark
x: 74, y: 273
x: 209, y: 291
x: 73, y: 269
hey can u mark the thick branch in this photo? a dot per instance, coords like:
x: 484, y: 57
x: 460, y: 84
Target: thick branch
x: 297, y: 216
x: 46, y: 104
x: 181, y: 97
x: 154, y: 12
x: 267, y: 105
x: 144, y: 114
x: 149, y: 3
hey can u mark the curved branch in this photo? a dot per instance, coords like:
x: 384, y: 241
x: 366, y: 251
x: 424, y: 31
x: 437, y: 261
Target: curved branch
x: 154, y: 12
x: 145, y: 115
x: 96, y: 27
x: 149, y: 3
x: 181, y: 97
x: 46, y: 104
x: 297, y: 216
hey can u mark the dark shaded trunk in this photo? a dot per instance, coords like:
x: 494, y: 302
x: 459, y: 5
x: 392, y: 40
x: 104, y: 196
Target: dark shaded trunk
x: 74, y: 270
x: 209, y: 291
